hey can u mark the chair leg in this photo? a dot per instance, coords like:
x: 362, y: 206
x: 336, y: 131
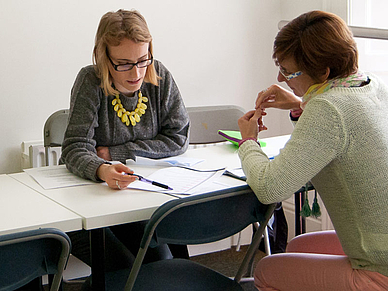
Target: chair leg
x: 50, y: 279
x: 266, y: 242
x: 238, y: 246
x: 266, y: 245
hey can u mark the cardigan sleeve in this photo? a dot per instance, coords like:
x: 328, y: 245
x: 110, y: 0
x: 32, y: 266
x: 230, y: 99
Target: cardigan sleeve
x: 317, y: 139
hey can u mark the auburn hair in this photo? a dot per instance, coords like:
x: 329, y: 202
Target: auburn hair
x: 317, y: 40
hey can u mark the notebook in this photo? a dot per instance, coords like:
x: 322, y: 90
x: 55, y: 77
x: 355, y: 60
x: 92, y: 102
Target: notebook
x: 234, y: 136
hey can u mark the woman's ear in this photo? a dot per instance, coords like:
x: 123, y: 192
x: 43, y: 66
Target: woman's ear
x: 325, y: 76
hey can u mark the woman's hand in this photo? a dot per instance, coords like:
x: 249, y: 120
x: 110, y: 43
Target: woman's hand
x: 277, y: 97
x: 114, y: 175
x: 251, y: 123
x: 103, y: 153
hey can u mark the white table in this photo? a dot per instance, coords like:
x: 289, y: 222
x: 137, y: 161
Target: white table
x: 22, y: 208
x: 100, y: 206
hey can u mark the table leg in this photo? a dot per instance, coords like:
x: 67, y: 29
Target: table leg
x: 97, y: 247
x: 300, y: 221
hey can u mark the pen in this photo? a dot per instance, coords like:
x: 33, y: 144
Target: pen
x: 141, y: 178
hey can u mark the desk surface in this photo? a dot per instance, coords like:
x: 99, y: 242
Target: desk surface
x: 22, y: 208
x: 100, y: 206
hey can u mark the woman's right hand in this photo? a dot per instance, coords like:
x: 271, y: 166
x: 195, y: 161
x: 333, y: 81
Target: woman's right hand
x: 277, y: 97
x: 114, y: 175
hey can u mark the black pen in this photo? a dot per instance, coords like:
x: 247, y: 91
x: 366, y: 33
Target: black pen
x: 142, y: 179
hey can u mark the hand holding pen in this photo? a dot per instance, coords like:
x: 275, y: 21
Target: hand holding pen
x: 112, y: 174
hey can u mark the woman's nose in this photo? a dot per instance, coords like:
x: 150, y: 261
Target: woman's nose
x: 134, y: 72
x: 281, y: 77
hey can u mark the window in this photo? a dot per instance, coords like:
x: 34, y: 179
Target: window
x: 373, y: 54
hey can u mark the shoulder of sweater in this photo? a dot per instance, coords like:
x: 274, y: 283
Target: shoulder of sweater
x: 161, y: 69
x: 332, y: 95
x: 88, y: 73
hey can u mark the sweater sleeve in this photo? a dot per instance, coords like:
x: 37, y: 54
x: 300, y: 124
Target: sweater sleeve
x: 79, y: 147
x: 317, y: 139
x: 171, y: 138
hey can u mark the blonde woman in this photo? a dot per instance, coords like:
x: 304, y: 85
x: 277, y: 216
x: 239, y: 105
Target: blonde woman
x: 104, y: 122
x: 125, y: 105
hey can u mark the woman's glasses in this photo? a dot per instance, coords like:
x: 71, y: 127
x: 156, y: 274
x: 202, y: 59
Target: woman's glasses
x: 129, y: 66
x: 285, y: 74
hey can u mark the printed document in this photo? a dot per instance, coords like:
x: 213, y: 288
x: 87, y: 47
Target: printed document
x: 183, y: 181
x: 52, y: 177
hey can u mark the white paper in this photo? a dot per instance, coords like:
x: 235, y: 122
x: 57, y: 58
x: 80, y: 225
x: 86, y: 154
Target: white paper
x: 181, y: 180
x: 171, y: 161
x: 236, y: 173
x: 55, y: 177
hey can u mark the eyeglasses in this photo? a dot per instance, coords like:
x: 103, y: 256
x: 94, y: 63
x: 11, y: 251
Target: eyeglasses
x: 129, y: 66
x: 288, y: 77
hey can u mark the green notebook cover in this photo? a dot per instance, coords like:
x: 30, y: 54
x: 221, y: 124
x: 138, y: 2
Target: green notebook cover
x: 234, y: 136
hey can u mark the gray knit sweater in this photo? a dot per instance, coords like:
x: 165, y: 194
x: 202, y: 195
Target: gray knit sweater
x: 161, y: 132
x: 340, y: 143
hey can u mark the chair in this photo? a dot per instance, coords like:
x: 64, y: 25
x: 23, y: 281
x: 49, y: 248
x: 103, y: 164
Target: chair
x: 28, y: 255
x: 194, y: 220
x: 53, y: 133
x: 205, y: 121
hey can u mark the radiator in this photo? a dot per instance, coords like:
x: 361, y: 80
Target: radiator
x: 33, y: 155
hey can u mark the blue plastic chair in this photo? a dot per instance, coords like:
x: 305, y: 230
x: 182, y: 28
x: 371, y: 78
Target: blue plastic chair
x: 194, y: 220
x: 25, y: 256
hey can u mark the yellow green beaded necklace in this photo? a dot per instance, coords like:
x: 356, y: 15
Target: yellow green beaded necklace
x: 130, y: 117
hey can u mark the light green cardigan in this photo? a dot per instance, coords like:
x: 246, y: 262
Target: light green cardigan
x: 340, y: 143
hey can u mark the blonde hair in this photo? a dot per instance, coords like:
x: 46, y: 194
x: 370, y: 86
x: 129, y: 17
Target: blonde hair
x: 112, y: 29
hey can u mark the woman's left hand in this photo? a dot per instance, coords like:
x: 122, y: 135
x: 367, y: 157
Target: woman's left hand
x: 251, y: 123
x: 103, y: 153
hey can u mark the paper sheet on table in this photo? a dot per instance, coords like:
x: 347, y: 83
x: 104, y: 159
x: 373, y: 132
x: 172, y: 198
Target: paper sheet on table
x: 273, y: 148
x: 237, y: 173
x: 171, y: 161
x: 182, y: 181
x: 55, y: 177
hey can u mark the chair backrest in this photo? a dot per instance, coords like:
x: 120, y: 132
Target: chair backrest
x: 203, y: 219
x: 27, y: 255
x: 205, y: 121
x: 53, y: 134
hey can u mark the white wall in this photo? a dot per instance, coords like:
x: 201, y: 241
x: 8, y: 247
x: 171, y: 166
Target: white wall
x: 219, y: 52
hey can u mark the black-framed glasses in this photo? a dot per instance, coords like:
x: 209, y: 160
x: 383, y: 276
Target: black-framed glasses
x: 129, y: 66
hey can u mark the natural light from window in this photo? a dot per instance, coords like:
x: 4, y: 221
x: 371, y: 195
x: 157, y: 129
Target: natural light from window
x: 373, y: 54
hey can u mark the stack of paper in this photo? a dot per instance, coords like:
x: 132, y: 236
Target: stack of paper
x: 183, y: 181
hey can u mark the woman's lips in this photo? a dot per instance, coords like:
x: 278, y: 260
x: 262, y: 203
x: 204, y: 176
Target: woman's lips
x: 134, y: 82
